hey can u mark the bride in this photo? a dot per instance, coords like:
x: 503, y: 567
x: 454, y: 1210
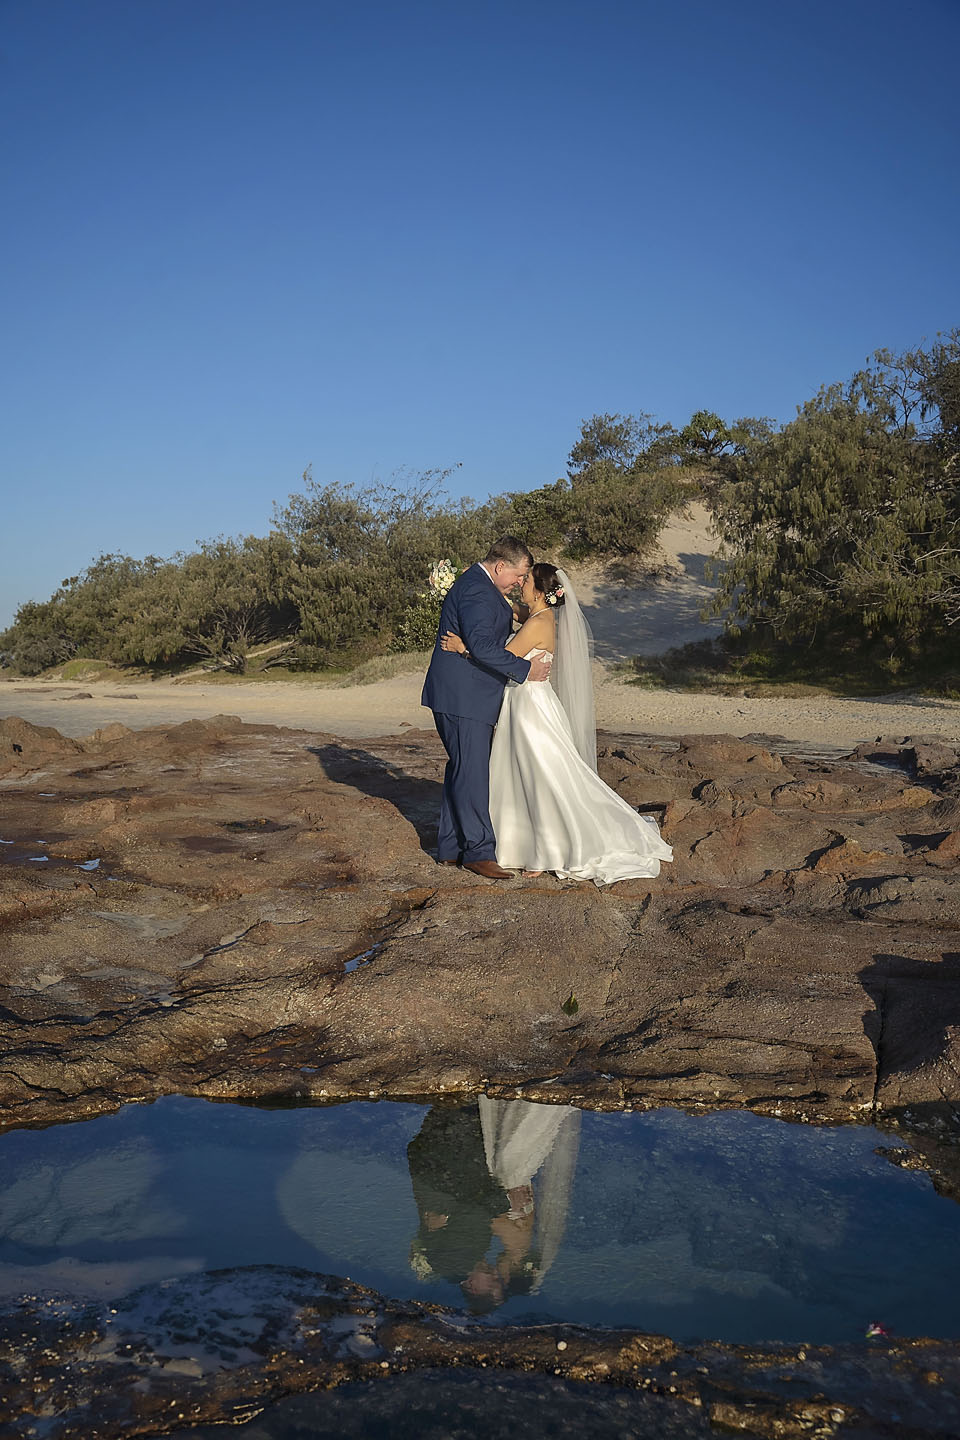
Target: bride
x: 550, y: 809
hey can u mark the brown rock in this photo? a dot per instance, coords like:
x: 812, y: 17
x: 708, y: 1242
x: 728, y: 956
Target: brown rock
x: 94, y: 812
x: 933, y: 899
x: 947, y: 813
x: 845, y: 856
x: 929, y: 757
x: 918, y: 1038
x: 108, y: 735
x: 946, y: 852
x: 716, y: 845
x: 266, y: 901
x: 24, y: 746
x: 861, y: 793
x: 267, y: 1332
x: 722, y: 753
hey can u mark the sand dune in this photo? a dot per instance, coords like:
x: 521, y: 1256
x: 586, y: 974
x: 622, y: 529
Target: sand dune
x: 650, y: 619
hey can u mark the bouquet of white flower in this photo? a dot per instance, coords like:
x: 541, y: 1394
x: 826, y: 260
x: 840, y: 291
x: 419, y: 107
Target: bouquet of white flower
x: 418, y: 627
x: 441, y: 577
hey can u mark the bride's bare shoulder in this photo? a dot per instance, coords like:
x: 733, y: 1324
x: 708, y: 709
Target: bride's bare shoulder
x: 534, y: 634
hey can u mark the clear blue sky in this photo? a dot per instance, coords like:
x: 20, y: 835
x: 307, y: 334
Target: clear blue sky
x: 244, y: 236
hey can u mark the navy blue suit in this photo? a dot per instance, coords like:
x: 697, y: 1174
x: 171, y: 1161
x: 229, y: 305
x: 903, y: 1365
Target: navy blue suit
x: 464, y: 693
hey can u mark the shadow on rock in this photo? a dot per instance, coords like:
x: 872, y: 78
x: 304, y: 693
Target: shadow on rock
x: 915, y: 1030
x: 416, y: 797
x: 931, y: 1130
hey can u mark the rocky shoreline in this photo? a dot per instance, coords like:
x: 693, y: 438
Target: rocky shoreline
x: 244, y: 911
x: 248, y: 912
x: 222, y: 1346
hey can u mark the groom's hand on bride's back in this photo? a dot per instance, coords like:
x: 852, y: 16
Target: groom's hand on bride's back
x: 539, y: 668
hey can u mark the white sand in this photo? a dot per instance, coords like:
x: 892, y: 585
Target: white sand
x: 624, y: 621
x: 391, y: 705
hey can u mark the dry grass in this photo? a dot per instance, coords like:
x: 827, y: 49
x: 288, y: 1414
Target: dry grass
x: 368, y: 672
x: 92, y: 670
x: 385, y: 667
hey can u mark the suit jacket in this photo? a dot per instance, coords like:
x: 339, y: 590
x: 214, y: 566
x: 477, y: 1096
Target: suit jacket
x: 448, y: 1171
x: 473, y: 685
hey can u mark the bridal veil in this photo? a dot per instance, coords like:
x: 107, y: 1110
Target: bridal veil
x: 572, y: 672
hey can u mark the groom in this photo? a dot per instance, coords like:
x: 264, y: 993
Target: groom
x: 464, y: 692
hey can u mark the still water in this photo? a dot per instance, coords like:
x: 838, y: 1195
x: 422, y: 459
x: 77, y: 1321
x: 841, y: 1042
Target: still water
x: 726, y: 1226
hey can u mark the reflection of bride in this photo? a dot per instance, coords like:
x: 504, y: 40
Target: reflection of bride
x: 496, y: 1174
x: 521, y: 1141
x: 550, y: 809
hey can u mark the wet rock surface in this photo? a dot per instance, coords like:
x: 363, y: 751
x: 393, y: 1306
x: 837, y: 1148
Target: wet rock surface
x: 224, y: 1345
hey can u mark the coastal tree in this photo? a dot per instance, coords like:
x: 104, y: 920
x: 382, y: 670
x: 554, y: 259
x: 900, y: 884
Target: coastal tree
x: 706, y: 439
x: 845, y: 525
x: 213, y: 604
x: 38, y: 638
x: 620, y: 445
x: 81, y: 617
x: 624, y: 481
x: 357, y: 557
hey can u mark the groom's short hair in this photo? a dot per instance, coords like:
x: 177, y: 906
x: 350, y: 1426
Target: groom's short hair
x: 510, y: 549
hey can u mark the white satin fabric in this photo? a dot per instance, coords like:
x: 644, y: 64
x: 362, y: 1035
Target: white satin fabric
x: 549, y: 810
x: 523, y: 1140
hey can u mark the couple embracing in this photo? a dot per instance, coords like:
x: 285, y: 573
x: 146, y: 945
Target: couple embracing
x: 516, y: 717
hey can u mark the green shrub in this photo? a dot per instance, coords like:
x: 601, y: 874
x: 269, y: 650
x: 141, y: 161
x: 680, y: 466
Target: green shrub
x: 417, y: 629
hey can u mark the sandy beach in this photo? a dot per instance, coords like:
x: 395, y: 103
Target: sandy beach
x: 392, y: 705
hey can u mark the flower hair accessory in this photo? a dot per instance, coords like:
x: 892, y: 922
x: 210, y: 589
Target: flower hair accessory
x: 555, y: 595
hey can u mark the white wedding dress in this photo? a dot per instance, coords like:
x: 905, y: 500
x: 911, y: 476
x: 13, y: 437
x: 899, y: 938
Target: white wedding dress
x: 550, y: 810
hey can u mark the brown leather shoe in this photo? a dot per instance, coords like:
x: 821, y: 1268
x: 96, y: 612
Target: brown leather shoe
x: 448, y: 862
x: 489, y: 869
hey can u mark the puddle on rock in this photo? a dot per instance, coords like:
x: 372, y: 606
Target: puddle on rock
x: 23, y: 852
x: 728, y: 1226
x: 364, y: 958
x: 212, y: 844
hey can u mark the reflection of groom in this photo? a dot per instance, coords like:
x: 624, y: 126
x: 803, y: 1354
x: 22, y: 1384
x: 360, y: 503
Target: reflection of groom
x: 464, y: 692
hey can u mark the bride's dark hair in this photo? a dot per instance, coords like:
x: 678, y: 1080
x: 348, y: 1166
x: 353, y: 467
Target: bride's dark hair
x: 547, y: 582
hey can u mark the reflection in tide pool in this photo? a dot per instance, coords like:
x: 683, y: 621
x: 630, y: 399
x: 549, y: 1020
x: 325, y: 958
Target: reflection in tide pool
x: 726, y: 1226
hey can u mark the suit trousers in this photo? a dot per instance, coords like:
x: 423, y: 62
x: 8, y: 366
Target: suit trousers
x: 465, y: 829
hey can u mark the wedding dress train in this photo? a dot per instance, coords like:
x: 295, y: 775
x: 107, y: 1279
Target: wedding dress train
x: 550, y: 810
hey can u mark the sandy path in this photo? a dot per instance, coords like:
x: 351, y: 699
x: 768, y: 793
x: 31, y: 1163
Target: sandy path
x: 391, y: 705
